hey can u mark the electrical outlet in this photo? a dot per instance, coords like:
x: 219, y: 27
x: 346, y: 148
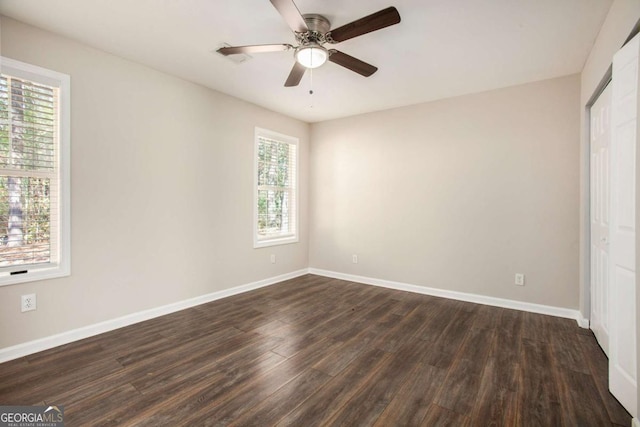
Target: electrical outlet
x: 28, y: 302
x: 519, y: 279
x: 273, y: 258
x: 354, y: 258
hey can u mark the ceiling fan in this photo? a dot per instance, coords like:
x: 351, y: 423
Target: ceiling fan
x: 312, y: 31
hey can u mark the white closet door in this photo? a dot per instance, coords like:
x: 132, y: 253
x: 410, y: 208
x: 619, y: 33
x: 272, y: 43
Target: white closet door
x: 622, y: 279
x: 600, y: 176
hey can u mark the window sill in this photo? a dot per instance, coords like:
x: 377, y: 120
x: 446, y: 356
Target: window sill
x: 34, y: 274
x: 275, y: 241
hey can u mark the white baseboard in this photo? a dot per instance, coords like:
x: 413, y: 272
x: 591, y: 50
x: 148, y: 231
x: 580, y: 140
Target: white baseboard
x: 24, y: 349
x: 462, y: 296
x: 583, y: 322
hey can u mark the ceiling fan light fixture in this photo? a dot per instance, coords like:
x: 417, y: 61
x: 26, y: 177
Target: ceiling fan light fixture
x: 312, y: 55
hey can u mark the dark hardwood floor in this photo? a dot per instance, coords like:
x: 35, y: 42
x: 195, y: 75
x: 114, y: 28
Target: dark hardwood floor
x: 315, y: 351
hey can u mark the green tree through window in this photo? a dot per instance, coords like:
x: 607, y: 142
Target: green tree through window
x: 27, y: 151
x: 276, y: 189
x: 35, y: 141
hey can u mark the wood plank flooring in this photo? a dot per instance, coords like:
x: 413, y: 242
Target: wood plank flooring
x: 315, y: 351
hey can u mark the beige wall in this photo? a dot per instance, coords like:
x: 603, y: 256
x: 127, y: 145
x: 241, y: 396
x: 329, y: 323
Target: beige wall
x: 161, y: 191
x: 458, y: 194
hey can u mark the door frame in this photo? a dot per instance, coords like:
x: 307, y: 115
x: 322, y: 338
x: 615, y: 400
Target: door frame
x: 584, y: 280
x: 596, y: 97
x: 585, y: 306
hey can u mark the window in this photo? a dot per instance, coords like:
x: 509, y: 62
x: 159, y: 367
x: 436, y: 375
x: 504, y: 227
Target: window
x: 276, y: 189
x: 34, y: 173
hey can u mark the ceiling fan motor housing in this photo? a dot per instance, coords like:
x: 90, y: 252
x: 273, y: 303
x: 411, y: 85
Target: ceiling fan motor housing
x: 317, y: 22
x: 318, y: 26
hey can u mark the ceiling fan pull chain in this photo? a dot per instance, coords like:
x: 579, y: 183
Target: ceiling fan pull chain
x: 311, y: 87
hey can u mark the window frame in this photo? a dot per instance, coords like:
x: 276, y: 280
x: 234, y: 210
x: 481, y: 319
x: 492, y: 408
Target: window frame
x: 62, y: 267
x: 279, y: 239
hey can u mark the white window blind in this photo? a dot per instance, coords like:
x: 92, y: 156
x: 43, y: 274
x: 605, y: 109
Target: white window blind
x: 32, y: 212
x: 276, y: 204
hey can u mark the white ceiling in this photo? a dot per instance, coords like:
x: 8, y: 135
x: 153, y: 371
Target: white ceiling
x: 442, y: 48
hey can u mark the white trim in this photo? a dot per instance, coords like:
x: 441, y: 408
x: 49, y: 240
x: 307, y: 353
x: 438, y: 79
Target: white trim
x: 461, y: 296
x: 583, y: 322
x: 635, y: 422
x: 24, y: 349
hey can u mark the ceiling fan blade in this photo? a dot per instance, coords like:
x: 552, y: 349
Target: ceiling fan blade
x: 353, y: 64
x: 295, y: 75
x: 259, y: 48
x: 291, y: 15
x: 376, y: 21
